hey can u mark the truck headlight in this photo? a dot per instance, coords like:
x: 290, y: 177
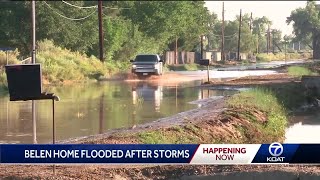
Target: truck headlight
x: 134, y: 66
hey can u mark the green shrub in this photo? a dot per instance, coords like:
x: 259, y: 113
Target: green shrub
x: 299, y: 71
x: 184, y: 67
x: 3, y: 81
x: 12, y: 57
x: 63, y: 65
x: 264, y: 57
x: 266, y: 101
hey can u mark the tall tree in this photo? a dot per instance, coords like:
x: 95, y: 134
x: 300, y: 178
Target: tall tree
x: 15, y: 25
x: 260, y: 26
x: 306, y: 23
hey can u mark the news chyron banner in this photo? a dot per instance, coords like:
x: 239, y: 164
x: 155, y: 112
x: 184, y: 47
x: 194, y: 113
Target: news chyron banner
x: 219, y: 154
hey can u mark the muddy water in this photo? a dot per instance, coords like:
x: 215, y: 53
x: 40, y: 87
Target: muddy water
x: 304, y: 129
x: 95, y: 108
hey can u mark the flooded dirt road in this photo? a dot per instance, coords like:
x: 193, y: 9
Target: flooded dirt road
x: 96, y: 108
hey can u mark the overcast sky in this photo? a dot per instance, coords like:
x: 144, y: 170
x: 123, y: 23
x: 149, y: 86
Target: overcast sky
x: 276, y: 11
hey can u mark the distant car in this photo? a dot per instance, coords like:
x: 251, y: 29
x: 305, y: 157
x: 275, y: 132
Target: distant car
x: 147, y: 64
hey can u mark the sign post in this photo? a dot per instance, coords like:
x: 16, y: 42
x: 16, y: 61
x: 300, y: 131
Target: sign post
x: 24, y: 83
x: 206, y: 62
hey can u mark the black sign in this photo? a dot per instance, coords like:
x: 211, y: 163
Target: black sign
x: 204, y: 62
x: 24, y: 81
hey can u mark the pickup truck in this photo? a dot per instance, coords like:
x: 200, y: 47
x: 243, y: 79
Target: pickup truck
x: 147, y: 64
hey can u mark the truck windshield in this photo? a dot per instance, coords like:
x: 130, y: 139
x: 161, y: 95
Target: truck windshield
x: 146, y: 58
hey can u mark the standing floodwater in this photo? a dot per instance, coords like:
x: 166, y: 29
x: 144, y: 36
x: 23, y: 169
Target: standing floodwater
x: 304, y: 129
x: 95, y: 108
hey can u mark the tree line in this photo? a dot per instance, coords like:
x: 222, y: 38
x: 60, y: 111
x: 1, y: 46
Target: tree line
x: 132, y: 27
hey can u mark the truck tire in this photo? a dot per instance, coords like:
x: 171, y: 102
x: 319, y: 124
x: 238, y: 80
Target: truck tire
x: 158, y: 72
x: 161, y: 73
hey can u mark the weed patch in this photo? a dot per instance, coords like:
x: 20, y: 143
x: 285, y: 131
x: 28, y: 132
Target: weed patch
x: 299, y: 71
x: 263, y: 100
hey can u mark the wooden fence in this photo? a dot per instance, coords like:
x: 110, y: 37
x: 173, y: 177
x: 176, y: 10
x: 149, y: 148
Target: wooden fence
x: 184, y: 57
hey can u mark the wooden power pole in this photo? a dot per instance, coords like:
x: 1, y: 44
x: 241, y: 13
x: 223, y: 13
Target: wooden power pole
x: 268, y: 39
x: 176, y: 51
x: 201, y: 47
x: 239, y: 36
x: 273, y: 44
x: 251, y: 21
x: 100, y: 31
x: 222, y: 34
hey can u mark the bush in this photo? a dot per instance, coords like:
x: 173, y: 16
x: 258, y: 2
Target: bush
x: 63, y: 65
x: 12, y: 57
x: 184, y: 67
x: 299, y: 71
x: 3, y: 80
x: 264, y: 57
x: 266, y: 101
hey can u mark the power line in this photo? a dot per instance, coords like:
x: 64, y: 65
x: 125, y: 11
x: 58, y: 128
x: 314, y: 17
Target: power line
x: 114, y: 7
x: 90, y: 7
x: 100, y: 30
x: 73, y: 19
x: 240, y: 22
x: 80, y: 7
x: 222, y: 34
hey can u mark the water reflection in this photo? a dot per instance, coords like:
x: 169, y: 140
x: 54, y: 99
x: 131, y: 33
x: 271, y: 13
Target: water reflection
x: 147, y: 92
x: 304, y: 129
x: 96, y: 108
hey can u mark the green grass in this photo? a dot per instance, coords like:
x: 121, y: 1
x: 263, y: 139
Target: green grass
x: 12, y: 57
x: 245, y: 106
x: 290, y: 95
x: 184, y: 67
x: 264, y: 57
x: 61, y: 64
x: 299, y: 71
x: 174, y: 135
x: 3, y: 81
x: 245, y: 62
x: 265, y: 101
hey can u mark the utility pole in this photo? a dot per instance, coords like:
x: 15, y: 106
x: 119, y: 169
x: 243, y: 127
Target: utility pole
x: 268, y: 39
x: 258, y: 37
x: 222, y: 35
x: 273, y: 32
x: 201, y: 48
x: 100, y: 30
x: 251, y: 22
x: 176, y: 51
x: 33, y: 61
x: 285, y: 51
x: 239, y: 36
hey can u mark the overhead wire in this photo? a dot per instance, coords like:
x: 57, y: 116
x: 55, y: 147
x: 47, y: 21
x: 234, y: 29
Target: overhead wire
x: 80, y: 7
x: 73, y: 19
